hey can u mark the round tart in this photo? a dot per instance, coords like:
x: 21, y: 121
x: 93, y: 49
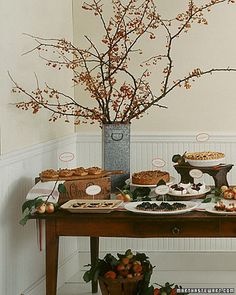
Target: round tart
x: 50, y: 173
x: 94, y: 170
x: 80, y: 171
x: 150, y: 177
x: 204, y: 155
x: 65, y: 172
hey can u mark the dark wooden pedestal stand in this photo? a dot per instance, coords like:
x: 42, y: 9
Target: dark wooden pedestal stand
x: 219, y: 173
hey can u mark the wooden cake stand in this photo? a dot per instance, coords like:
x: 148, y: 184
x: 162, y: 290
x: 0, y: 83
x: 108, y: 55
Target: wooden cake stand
x: 219, y: 173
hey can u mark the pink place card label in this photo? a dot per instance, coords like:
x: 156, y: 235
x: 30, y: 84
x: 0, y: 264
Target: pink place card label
x: 66, y: 157
x: 202, y: 137
x: 159, y: 163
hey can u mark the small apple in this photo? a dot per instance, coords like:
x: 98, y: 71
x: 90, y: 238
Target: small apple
x: 110, y: 275
x: 156, y: 291
x: 120, y: 197
x: 127, y: 198
x: 229, y: 194
x: 41, y: 209
x: 125, y: 260
x: 137, y: 268
x: 120, y: 267
x: 234, y: 189
x: 50, y: 208
x: 223, y: 188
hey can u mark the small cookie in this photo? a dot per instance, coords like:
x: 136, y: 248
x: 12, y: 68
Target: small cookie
x: 94, y: 170
x: 80, y: 171
x: 49, y: 173
x: 65, y: 172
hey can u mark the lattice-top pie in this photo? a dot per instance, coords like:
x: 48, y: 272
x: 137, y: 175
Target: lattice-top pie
x: 150, y: 177
x: 204, y: 155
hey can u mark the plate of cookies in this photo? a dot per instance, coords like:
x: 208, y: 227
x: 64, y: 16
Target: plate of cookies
x: 91, y: 206
x: 223, y: 207
x: 188, y: 191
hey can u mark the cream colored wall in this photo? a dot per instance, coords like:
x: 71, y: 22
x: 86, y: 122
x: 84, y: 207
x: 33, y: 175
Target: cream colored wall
x: 41, y: 18
x: 210, y: 104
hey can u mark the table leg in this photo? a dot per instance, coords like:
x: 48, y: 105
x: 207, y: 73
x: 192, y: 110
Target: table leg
x: 94, y: 251
x: 52, y: 243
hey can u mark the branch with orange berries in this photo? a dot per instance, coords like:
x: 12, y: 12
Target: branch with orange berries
x: 104, y: 68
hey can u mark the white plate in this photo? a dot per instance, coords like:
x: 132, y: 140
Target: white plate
x: 210, y: 208
x: 128, y: 181
x: 190, y: 206
x: 207, y: 189
x: 206, y: 163
x: 100, y: 209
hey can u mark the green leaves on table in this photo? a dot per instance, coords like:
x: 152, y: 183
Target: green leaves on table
x: 29, y: 207
x: 61, y: 188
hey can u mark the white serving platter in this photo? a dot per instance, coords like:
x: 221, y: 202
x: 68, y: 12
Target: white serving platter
x: 206, y: 163
x: 189, y: 207
x: 91, y: 206
x: 206, y: 190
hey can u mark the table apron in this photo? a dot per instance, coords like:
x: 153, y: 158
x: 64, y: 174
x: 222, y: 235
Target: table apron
x: 156, y: 228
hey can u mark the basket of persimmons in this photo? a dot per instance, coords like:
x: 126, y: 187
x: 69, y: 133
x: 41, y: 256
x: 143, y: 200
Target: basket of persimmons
x: 128, y: 274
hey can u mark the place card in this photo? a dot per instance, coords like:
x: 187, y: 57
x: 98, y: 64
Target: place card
x: 195, y: 173
x: 93, y: 190
x: 159, y: 163
x: 202, y: 137
x: 66, y: 157
x: 162, y: 190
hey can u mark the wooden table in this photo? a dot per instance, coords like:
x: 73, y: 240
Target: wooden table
x: 126, y: 224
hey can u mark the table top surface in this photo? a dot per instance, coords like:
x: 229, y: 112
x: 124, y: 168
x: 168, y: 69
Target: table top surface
x: 63, y: 214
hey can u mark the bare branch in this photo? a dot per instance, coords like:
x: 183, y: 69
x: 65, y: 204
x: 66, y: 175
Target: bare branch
x: 118, y: 92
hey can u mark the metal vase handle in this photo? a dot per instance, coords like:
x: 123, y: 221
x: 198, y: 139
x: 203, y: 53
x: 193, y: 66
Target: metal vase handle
x: 117, y: 136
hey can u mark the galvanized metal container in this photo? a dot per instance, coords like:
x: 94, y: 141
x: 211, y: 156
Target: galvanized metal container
x: 116, y: 151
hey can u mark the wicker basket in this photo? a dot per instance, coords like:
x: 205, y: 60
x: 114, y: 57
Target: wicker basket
x: 119, y: 286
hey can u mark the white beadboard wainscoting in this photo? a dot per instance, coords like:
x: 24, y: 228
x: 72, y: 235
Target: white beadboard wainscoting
x: 185, y: 260
x: 22, y: 268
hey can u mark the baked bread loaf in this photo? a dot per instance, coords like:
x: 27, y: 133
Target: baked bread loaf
x: 150, y: 177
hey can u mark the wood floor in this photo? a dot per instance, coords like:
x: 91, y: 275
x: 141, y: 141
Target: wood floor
x: 75, y: 287
x: 190, y: 279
